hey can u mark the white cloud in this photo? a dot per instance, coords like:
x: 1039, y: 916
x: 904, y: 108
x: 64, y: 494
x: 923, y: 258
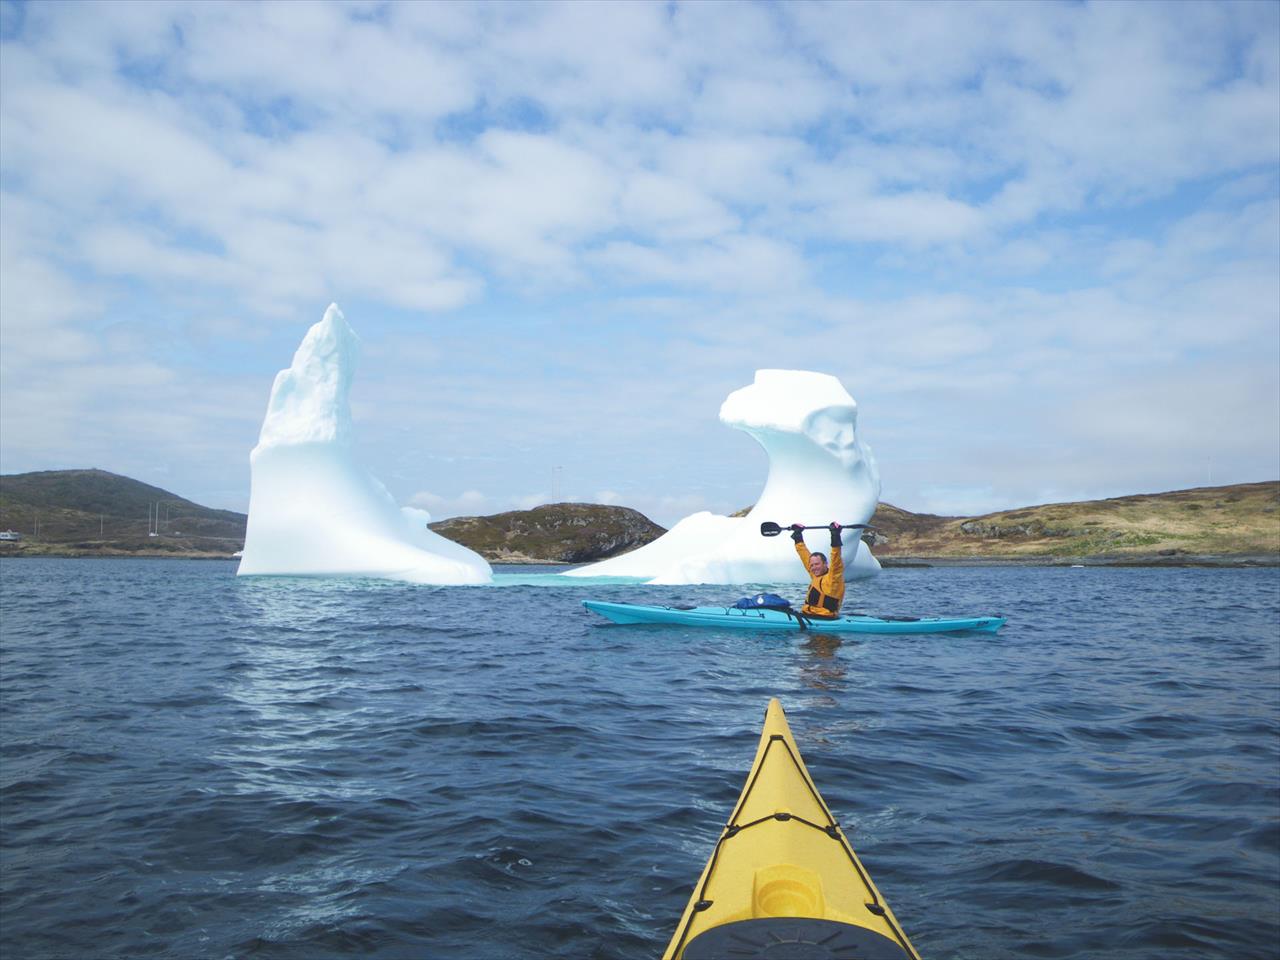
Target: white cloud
x: 917, y: 218
x: 666, y: 511
x: 323, y: 58
x: 39, y: 303
x: 672, y: 210
x: 469, y: 502
x: 590, y: 57
x: 527, y: 501
x: 576, y: 226
x: 144, y: 251
x: 748, y: 263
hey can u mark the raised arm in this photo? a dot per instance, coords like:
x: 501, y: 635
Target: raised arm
x: 836, y: 563
x: 801, y: 549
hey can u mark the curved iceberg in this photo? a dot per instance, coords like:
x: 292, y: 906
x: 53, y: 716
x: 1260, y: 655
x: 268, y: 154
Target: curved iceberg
x: 819, y: 471
x: 313, y: 511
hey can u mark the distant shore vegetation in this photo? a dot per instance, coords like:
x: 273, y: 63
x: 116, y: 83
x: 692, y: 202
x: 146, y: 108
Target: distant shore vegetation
x: 94, y: 513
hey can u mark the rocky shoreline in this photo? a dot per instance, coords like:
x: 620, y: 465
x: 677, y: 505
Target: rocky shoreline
x: 62, y: 552
x: 1244, y: 560
x: 1138, y: 560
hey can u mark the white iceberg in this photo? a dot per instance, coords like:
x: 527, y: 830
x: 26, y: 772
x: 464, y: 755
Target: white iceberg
x: 819, y: 472
x: 313, y: 511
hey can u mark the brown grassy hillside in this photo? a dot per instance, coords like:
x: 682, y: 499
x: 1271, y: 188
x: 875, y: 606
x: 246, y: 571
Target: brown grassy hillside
x: 1242, y: 519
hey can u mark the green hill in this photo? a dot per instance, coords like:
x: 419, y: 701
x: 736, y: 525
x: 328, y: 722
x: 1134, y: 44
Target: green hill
x: 94, y: 512
x: 552, y: 533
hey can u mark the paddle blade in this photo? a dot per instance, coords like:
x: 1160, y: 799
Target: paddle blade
x: 769, y: 529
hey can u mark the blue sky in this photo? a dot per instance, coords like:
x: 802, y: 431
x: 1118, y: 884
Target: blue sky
x: 1039, y: 243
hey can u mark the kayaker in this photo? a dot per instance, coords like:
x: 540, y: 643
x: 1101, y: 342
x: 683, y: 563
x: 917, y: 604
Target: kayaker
x: 826, y: 578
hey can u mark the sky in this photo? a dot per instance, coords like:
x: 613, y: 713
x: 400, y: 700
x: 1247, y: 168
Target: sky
x: 1039, y: 243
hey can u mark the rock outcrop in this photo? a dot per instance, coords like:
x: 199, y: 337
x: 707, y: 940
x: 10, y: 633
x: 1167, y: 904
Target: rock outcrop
x: 553, y: 533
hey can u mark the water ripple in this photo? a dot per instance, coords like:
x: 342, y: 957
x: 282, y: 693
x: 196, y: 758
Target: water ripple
x: 197, y: 766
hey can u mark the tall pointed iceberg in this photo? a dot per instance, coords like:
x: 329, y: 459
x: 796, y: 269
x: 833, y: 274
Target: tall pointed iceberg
x: 819, y: 472
x: 313, y: 511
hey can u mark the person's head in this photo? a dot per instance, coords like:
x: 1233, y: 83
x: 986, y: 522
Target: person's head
x: 818, y: 564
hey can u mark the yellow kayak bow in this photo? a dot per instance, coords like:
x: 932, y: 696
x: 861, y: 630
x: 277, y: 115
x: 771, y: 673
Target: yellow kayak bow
x: 783, y: 882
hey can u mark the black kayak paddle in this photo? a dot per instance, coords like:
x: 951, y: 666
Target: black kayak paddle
x: 771, y: 529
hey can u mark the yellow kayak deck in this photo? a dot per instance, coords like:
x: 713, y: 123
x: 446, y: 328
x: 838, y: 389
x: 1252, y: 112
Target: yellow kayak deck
x: 783, y: 883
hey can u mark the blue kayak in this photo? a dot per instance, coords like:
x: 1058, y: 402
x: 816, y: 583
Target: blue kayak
x: 756, y: 619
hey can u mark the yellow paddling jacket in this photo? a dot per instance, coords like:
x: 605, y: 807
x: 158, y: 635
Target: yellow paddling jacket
x: 826, y: 592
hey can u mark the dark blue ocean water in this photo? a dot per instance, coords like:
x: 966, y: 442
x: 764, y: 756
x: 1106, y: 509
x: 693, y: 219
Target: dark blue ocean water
x: 199, y: 766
